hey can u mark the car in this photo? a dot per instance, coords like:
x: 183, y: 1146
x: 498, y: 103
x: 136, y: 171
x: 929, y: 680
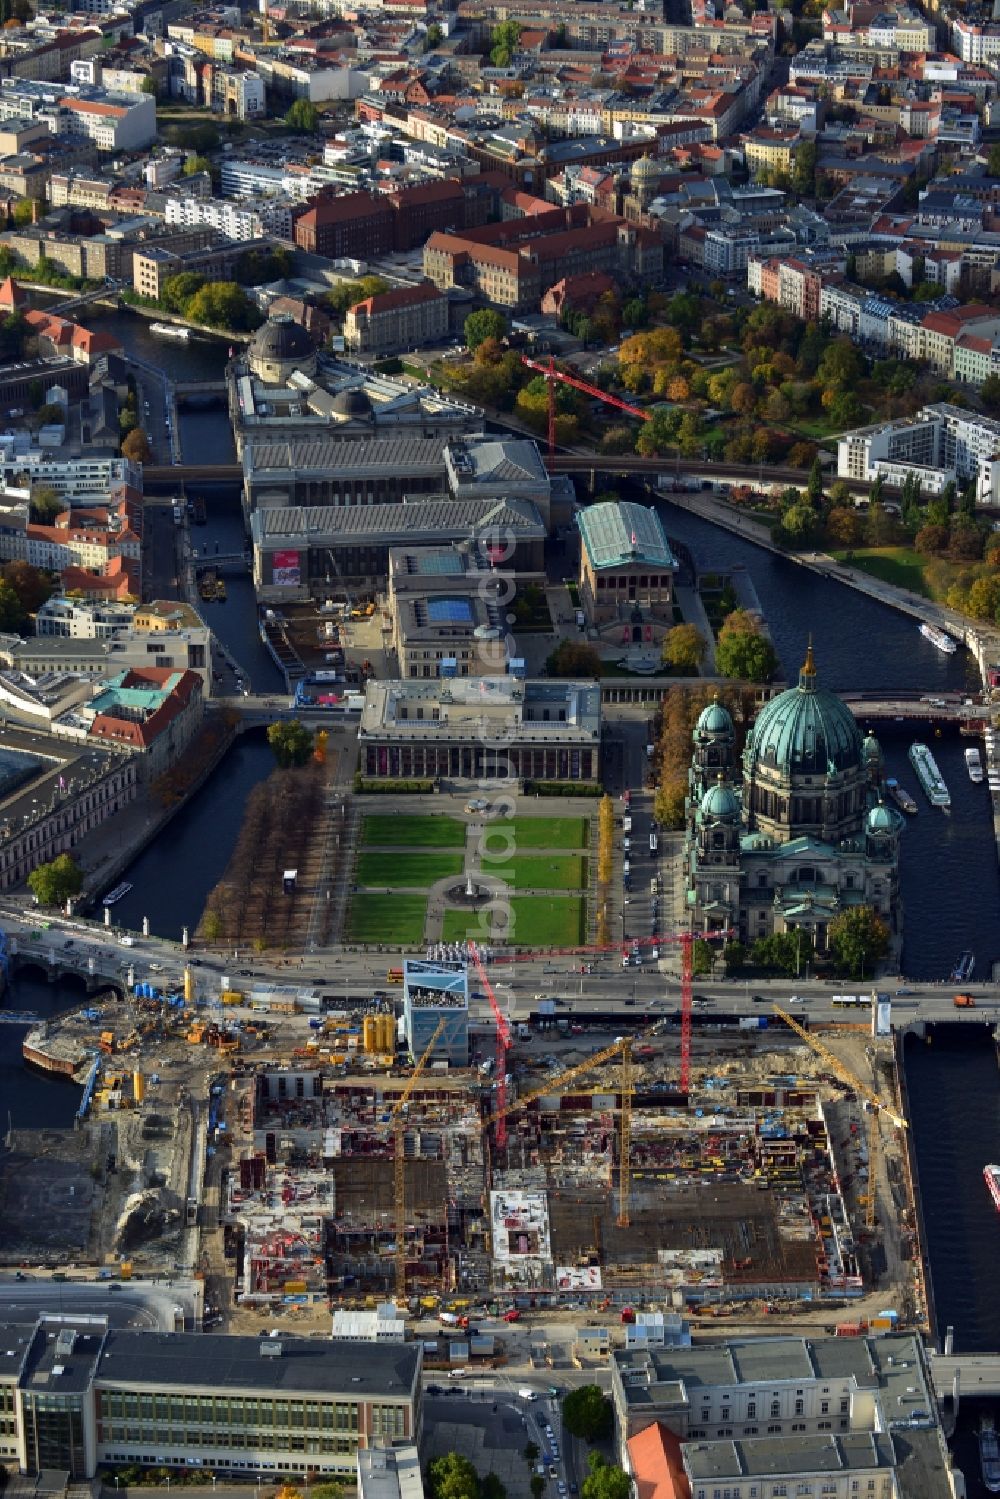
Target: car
x: 901, y: 992
x: 796, y: 999
x: 561, y: 1487
x: 434, y: 1389
x: 548, y: 1431
x: 553, y: 1471
x: 553, y: 1390
x: 126, y: 940
x: 759, y: 999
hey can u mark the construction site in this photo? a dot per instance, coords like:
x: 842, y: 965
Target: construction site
x: 761, y: 1186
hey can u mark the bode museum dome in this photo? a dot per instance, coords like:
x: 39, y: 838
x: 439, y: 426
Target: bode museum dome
x: 799, y: 830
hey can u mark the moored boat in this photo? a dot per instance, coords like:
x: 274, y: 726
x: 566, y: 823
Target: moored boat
x: 170, y: 330
x: 989, y: 1447
x: 116, y: 893
x: 991, y: 1176
x: 939, y: 637
x: 930, y: 778
x: 964, y: 968
x: 974, y: 765
x: 904, y: 801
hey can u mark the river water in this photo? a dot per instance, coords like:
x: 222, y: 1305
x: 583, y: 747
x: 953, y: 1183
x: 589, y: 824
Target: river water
x: 951, y: 884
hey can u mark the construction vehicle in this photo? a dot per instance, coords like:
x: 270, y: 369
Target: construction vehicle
x: 964, y: 1002
x: 107, y: 1042
x: 841, y: 1070
x: 397, y: 1123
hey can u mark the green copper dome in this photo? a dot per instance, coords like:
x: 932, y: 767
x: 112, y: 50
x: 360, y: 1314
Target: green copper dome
x: 881, y: 819
x: 714, y: 719
x: 805, y: 731
x: 720, y: 801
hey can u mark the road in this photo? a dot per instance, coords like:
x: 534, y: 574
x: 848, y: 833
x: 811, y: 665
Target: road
x: 153, y: 1306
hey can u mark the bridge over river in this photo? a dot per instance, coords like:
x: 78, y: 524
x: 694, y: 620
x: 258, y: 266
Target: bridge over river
x: 975, y: 1375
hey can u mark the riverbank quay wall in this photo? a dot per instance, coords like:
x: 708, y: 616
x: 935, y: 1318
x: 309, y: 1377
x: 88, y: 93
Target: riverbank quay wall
x: 924, y: 1290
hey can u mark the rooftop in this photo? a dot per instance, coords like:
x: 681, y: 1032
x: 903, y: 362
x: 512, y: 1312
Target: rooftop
x: 619, y: 534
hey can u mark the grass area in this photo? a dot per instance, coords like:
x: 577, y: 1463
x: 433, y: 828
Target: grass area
x: 548, y: 923
x: 897, y: 565
x: 412, y: 832
x: 540, y: 871
x: 560, y: 922
x: 387, y: 918
x: 415, y: 870
x: 458, y: 926
x: 535, y: 832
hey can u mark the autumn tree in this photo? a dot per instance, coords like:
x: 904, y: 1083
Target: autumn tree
x: 743, y: 650
x: 684, y: 649
x: 485, y: 323
x: 56, y: 882
x: 859, y: 939
x: 135, y: 446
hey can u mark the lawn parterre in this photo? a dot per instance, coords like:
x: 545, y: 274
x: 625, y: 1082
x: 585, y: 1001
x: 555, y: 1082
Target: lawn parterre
x: 540, y: 871
x: 558, y: 922
x: 393, y: 919
x: 412, y: 832
x: 536, y: 832
x: 407, y: 870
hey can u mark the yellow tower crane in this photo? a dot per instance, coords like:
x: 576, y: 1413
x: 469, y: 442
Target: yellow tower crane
x: 397, y: 1122
x: 841, y: 1070
x: 622, y: 1047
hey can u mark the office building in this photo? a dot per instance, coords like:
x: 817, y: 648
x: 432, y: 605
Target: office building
x: 410, y: 317
x: 435, y: 992
x: 80, y: 1395
x: 942, y: 444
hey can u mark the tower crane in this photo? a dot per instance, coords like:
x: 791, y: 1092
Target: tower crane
x: 853, y: 1081
x: 552, y: 375
x: 622, y: 1047
x: 397, y: 1122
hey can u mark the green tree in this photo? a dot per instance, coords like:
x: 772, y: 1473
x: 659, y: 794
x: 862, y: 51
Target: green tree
x: 702, y: 957
x: 990, y: 388
x: 31, y: 584
x: 573, y: 658
x: 12, y: 612
x: 491, y: 1487
x: 326, y: 1490
x: 684, y: 649
x: 859, y: 939
x: 814, y: 488
x: 135, y: 445
x: 789, y: 952
x: 451, y: 1476
x: 504, y: 43
x: 742, y: 651
x: 993, y: 161
x: 211, y: 926
x: 127, y: 419
x: 195, y: 164
x: 484, y: 324
x: 223, y: 304
x: 531, y: 1452
x: 434, y: 37
x: 24, y: 211
x: 799, y: 524
x: 302, y: 116
x: 54, y: 883
x: 177, y: 291
x: 291, y: 742
x: 150, y: 86
x: 347, y: 293
x: 586, y: 1413
x: 804, y: 170
x: 45, y: 504
x: 605, y: 1481
x: 537, y: 1486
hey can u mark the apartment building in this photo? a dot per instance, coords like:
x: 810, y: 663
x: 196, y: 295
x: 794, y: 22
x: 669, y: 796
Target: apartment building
x: 406, y: 318
x: 81, y: 1395
x: 151, y: 268
x: 360, y: 225
x: 114, y: 122
x: 941, y: 444
x: 241, y: 221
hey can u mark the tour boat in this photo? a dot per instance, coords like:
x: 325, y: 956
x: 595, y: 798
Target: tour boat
x: 964, y: 968
x: 939, y: 637
x: 974, y: 765
x: 989, y: 1446
x: 991, y: 1175
x: 117, y: 893
x: 930, y: 778
x: 904, y: 801
x: 170, y: 330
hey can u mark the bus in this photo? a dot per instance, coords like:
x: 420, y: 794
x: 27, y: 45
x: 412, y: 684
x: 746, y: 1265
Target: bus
x: 394, y: 976
x: 653, y: 842
x: 849, y: 1001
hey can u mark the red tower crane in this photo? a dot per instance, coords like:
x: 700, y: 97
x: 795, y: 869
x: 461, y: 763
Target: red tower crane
x: 686, y: 942
x: 552, y: 375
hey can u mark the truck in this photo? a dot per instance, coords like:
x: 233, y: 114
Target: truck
x: 964, y: 1002
x: 525, y: 1394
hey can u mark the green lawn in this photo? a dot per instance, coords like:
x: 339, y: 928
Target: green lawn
x: 415, y: 870
x: 412, y: 832
x: 897, y: 565
x: 540, y: 871
x: 536, y: 832
x: 559, y: 922
x: 548, y: 923
x: 387, y: 918
x: 460, y: 925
